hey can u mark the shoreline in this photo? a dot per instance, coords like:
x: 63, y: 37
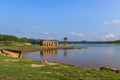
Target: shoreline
x: 29, y: 69
x: 52, y: 48
x: 19, y: 52
x: 52, y: 70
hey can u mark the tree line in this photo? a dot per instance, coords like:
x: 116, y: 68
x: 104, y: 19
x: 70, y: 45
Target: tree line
x: 12, y: 38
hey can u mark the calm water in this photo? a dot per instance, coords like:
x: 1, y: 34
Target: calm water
x: 94, y: 56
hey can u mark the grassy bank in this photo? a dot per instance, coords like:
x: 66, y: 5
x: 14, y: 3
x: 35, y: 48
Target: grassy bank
x: 19, y: 45
x: 24, y: 69
x: 26, y: 48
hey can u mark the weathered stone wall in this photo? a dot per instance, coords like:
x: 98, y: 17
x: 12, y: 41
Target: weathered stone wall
x: 11, y: 53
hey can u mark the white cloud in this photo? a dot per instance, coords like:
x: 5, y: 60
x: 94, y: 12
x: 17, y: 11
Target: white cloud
x: 46, y: 33
x: 112, y: 22
x: 21, y: 32
x: 109, y: 36
x: 77, y: 34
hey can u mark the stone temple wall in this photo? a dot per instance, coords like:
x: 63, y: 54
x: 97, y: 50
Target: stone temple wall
x: 49, y: 43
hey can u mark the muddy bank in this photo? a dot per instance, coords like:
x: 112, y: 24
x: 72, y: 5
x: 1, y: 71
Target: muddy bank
x: 19, y: 53
x: 52, y: 48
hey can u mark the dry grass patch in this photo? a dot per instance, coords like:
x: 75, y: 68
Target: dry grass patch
x: 56, y: 67
x: 64, y: 66
x: 10, y: 60
x: 49, y: 63
x: 6, y: 60
x: 36, y: 65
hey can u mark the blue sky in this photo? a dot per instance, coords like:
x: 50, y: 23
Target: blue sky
x: 53, y: 19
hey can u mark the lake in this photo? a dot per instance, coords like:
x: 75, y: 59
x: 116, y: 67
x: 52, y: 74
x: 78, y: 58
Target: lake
x: 94, y: 56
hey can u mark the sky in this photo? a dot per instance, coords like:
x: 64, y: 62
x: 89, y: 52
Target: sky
x: 91, y: 20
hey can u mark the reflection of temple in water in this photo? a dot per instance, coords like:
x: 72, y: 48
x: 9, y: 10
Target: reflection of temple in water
x: 48, y: 52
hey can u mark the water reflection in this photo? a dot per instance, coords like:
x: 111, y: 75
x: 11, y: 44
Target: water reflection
x: 48, y: 52
x: 109, y: 51
x: 91, y: 57
x: 52, y: 53
x: 65, y: 53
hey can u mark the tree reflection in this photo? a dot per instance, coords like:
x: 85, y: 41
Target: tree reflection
x: 65, y: 53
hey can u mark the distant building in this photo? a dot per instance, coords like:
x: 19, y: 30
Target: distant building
x: 49, y: 43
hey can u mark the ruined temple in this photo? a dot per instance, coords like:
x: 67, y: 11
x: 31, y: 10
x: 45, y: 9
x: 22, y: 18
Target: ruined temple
x: 49, y: 43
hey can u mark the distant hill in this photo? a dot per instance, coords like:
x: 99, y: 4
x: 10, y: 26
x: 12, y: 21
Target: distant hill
x: 12, y: 38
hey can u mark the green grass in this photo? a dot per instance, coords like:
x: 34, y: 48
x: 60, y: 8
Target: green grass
x: 21, y: 46
x: 21, y: 69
